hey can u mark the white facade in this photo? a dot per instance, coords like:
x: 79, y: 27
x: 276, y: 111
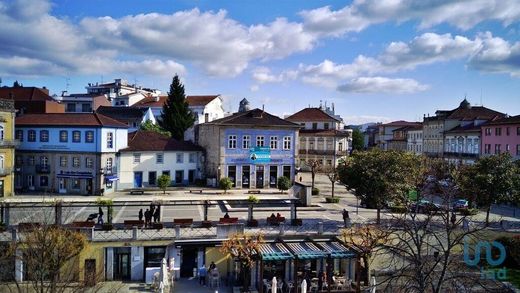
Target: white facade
x: 206, y: 113
x: 414, y: 141
x: 467, y: 144
x: 119, y: 140
x: 147, y: 164
x: 127, y: 99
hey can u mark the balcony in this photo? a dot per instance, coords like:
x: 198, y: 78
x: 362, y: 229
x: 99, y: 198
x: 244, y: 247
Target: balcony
x: 6, y: 171
x: 9, y: 142
x: 460, y: 155
x: 43, y: 169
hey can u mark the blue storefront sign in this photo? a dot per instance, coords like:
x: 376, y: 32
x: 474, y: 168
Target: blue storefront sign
x: 260, y: 155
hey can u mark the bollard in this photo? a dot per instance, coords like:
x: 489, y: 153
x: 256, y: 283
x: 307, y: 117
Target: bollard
x: 320, y: 228
x: 135, y: 233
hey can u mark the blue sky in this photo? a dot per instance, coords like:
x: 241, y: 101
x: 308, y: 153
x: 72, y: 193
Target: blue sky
x: 376, y: 60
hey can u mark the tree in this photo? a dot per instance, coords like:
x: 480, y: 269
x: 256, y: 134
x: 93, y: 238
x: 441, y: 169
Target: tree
x: 315, y: 166
x: 333, y: 176
x: 366, y: 239
x: 17, y: 84
x: 244, y: 249
x: 283, y: 183
x: 378, y: 176
x: 225, y: 183
x: 176, y: 116
x: 357, y: 140
x: 493, y: 179
x: 164, y: 181
x: 149, y: 126
x: 105, y: 202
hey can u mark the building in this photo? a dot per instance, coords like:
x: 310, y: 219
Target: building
x: 322, y: 137
x: 70, y: 153
x: 386, y: 133
x: 414, y: 139
x: 7, y: 145
x: 133, y: 117
x: 371, y: 136
x: 253, y: 148
x: 205, y: 109
x: 150, y: 155
x: 120, y: 88
x: 31, y: 100
x: 82, y: 103
x: 501, y: 135
x: 399, y: 142
x: 460, y: 125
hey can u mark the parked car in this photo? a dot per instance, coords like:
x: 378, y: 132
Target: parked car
x: 426, y: 206
x: 460, y: 204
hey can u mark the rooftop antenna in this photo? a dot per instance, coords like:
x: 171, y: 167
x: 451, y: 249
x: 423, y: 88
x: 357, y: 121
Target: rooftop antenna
x: 67, y: 83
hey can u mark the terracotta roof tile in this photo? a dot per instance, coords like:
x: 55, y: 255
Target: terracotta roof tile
x: 68, y: 119
x: 200, y: 100
x: 191, y: 100
x: 324, y: 132
x: 153, y: 141
x: 121, y: 113
x: 311, y: 114
x: 508, y: 120
x: 25, y: 94
x: 401, y: 123
x: 255, y: 117
x: 475, y: 112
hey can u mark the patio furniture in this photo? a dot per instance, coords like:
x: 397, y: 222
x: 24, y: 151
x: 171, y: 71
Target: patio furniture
x: 267, y: 286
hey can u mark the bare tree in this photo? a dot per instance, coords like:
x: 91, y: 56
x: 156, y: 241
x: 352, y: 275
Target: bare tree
x: 332, y: 174
x: 315, y: 166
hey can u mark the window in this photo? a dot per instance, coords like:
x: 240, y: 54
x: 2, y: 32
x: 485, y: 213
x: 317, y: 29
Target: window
x: 85, y: 107
x: 246, y: 141
x: 152, y: 177
x: 498, y: 131
x: 259, y: 141
x: 232, y: 142
x: 109, y: 165
x: 75, y: 162
x: 44, y: 135
x: 206, y: 117
x: 507, y: 148
x: 110, y: 140
x: 518, y: 131
x: 159, y: 158
x: 314, y: 125
x: 64, y: 136
x: 497, y: 148
x: 137, y: 158
x: 518, y: 149
x: 192, y: 158
x: 71, y: 107
x: 287, y: 143
x: 89, y: 163
x: 508, y: 131
x: 44, y: 161
x: 63, y: 161
x: 76, y: 136
x: 44, y: 181
x: 340, y: 146
x: 31, y: 160
x: 326, y: 125
x: 19, y: 160
x: 89, y: 136
x: 19, y: 135
x: 329, y: 162
x: 180, y: 158
x: 487, y: 148
x: 274, y: 142
x: 75, y: 184
x: 488, y: 131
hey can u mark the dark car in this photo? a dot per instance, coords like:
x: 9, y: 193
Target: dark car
x: 425, y: 206
x: 460, y: 204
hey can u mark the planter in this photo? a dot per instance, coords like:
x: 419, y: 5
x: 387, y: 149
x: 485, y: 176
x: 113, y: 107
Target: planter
x: 332, y: 199
x: 107, y: 227
x: 252, y: 223
x: 296, y: 222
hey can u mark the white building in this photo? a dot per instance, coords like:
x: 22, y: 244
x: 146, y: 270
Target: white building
x: 205, y: 109
x: 118, y: 88
x: 414, y: 140
x: 150, y: 154
x: 133, y: 117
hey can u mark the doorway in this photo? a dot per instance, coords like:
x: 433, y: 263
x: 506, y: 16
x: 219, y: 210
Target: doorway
x: 232, y: 174
x: 273, y: 175
x: 1, y: 188
x: 259, y: 176
x: 89, y: 186
x: 245, y: 176
x: 122, y: 263
x: 191, y: 176
x: 138, y: 179
x: 189, y: 261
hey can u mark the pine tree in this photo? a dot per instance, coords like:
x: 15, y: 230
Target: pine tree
x: 176, y: 117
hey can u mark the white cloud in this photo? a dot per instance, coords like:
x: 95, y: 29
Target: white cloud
x: 254, y: 88
x: 382, y: 85
x: 362, y: 119
x: 497, y: 56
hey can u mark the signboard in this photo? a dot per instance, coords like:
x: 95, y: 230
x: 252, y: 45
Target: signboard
x: 260, y: 155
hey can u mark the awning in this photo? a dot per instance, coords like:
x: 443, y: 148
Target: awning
x: 79, y: 176
x: 306, y: 250
x: 111, y: 178
x: 337, y: 250
x: 274, y: 251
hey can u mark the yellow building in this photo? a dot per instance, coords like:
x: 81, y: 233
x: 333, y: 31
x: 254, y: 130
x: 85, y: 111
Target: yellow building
x: 7, y: 144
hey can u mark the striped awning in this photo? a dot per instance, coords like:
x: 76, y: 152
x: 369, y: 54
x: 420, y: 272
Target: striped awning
x: 274, y: 251
x: 306, y: 250
x: 337, y: 250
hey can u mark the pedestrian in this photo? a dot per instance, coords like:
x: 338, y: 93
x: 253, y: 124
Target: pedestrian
x: 152, y: 208
x: 100, y: 216
x: 212, y: 266
x: 140, y: 215
x: 202, y: 275
x: 301, y: 178
x: 147, y: 217
x: 346, y: 218
x: 156, y: 214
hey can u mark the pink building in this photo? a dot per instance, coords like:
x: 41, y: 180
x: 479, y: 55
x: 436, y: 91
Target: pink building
x: 502, y: 135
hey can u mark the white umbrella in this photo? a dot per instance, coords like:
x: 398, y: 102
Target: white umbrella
x: 373, y: 290
x: 164, y: 273
x: 304, y: 286
x: 273, y: 285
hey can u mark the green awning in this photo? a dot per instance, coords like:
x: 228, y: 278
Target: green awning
x: 337, y: 250
x: 274, y: 252
x: 306, y: 250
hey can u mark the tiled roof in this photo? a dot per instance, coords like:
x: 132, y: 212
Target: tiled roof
x: 475, y: 112
x: 508, y: 120
x: 153, y: 141
x: 200, y: 100
x: 400, y: 123
x: 191, y: 100
x: 255, y: 117
x: 311, y: 114
x: 415, y: 126
x: 121, y: 113
x: 324, y: 132
x: 68, y: 119
x: 25, y: 94
x: 466, y: 128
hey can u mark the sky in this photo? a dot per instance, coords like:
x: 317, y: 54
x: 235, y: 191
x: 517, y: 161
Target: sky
x: 376, y: 60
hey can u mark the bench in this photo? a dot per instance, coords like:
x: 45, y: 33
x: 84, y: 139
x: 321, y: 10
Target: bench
x: 183, y: 222
x: 133, y: 223
x: 275, y: 221
x: 228, y: 221
x: 195, y: 190
x: 253, y: 191
x: 136, y: 191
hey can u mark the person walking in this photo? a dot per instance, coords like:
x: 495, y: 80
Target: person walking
x: 100, y: 216
x: 156, y: 214
x: 202, y: 275
x: 147, y: 218
x: 346, y: 218
x: 140, y: 216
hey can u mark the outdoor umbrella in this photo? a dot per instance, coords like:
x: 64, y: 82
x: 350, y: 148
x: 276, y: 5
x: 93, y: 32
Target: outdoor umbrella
x: 304, y: 286
x: 373, y: 290
x: 273, y: 285
x: 164, y: 273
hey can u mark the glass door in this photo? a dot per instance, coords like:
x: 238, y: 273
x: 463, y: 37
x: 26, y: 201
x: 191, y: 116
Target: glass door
x: 259, y: 176
x: 245, y: 176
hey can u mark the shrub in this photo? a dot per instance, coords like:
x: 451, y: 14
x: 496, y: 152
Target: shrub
x: 398, y: 209
x: 283, y: 183
x: 164, y: 181
x: 225, y: 183
x: 469, y: 212
x: 315, y: 191
x: 332, y: 199
x: 512, y: 246
x: 253, y: 199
